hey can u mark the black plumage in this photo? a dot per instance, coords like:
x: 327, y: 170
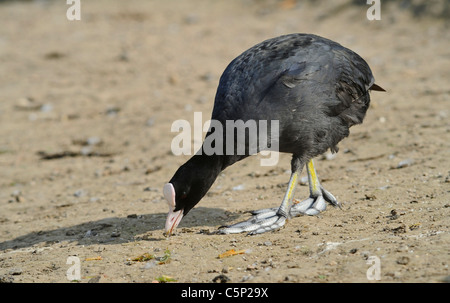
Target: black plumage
x: 316, y: 89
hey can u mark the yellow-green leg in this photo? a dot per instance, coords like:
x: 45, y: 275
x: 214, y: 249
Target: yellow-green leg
x: 267, y: 219
x: 274, y: 218
x: 318, y: 196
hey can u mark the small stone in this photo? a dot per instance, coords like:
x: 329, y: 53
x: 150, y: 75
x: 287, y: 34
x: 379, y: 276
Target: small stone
x: 112, y: 111
x: 93, y: 141
x: 79, y: 193
x: 247, y: 278
x: 149, y: 265
x: 304, y: 180
x: 150, y: 122
x: 239, y: 187
x: 86, y: 150
x: 353, y: 250
x: 16, y: 271
x: 45, y: 108
x: 403, y: 260
x: 16, y: 193
x: 405, y: 163
x: 221, y: 279
x: 90, y: 233
x: 20, y: 199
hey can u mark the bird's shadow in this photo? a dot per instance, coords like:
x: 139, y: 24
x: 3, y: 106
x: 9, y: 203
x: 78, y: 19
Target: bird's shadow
x: 116, y: 230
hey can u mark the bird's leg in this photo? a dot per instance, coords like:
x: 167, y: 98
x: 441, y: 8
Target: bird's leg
x: 316, y: 202
x: 268, y: 219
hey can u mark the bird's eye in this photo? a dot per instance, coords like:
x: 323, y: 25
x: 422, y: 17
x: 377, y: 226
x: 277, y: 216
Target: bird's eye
x: 183, y: 195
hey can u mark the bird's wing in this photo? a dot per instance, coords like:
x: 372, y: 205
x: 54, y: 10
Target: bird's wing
x: 281, y: 73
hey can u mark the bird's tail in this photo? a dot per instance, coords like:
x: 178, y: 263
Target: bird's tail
x: 377, y: 88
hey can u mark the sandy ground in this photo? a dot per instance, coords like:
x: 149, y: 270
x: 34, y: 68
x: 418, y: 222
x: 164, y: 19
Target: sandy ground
x: 86, y: 109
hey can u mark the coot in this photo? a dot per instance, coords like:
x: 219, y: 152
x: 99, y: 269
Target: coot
x: 315, y: 88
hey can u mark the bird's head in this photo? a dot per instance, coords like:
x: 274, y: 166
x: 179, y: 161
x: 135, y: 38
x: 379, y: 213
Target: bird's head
x: 177, y: 206
x: 187, y: 187
x: 181, y: 198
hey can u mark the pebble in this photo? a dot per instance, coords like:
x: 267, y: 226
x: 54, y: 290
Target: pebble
x: 149, y: 265
x: 207, y: 77
x: 247, y: 278
x: 403, y: 260
x: 90, y: 233
x: 239, y: 187
x: 405, y: 163
x: 86, y: 150
x: 150, y: 122
x: 112, y: 111
x: 93, y: 141
x: 79, y: 193
x: 15, y: 271
x: 191, y: 19
x: 221, y: 279
x: 115, y: 234
x: 304, y: 180
x: 45, y: 108
x: 17, y: 196
x: 16, y: 193
x: 330, y: 156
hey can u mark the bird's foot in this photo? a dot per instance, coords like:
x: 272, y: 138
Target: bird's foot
x: 269, y: 219
x: 315, y: 204
x: 262, y: 221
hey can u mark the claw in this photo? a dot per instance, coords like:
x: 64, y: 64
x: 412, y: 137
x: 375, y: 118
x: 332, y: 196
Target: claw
x: 311, y: 206
x: 272, y: 210
x: 280, y: 221
x: 256, y: 225
x: 330, y: 198
x: 268, y: 219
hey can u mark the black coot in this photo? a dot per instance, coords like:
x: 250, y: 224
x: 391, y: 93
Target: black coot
x: 316, y: 89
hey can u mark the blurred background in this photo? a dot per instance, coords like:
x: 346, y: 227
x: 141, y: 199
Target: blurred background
x: 133, y: 67
x: 86, y: 106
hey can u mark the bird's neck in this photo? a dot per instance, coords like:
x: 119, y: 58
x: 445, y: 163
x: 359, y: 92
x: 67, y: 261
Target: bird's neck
x: 201, y: 170
x: 205, y: 169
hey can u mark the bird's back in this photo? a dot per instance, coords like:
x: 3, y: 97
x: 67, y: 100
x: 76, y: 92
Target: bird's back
x: 315, y: 87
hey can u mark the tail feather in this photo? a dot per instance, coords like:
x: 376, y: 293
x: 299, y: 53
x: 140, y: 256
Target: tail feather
x: 377, y: 88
